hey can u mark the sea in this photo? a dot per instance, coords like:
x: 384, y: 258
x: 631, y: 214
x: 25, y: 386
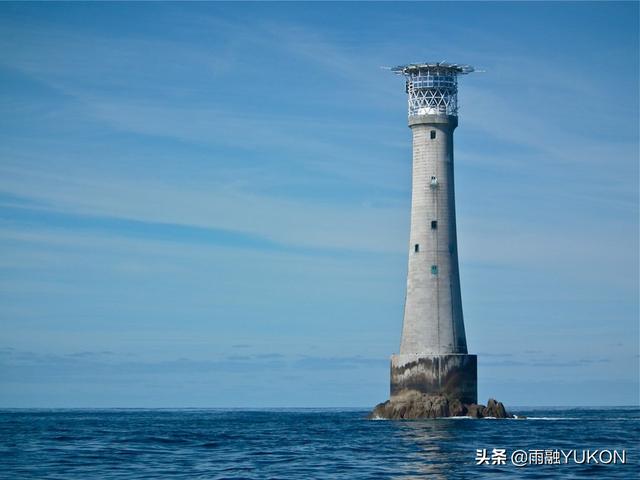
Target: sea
x: 574, y: 443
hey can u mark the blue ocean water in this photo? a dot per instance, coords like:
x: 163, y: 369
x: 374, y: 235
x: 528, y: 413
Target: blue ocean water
x: 306, y: 444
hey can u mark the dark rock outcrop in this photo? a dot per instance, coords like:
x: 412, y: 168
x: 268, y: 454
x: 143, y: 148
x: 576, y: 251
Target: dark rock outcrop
x: 474, y: 410
x: 494, y: 409
x: 415, y: 405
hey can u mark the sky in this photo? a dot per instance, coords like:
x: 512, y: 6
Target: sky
x: 207, y: 204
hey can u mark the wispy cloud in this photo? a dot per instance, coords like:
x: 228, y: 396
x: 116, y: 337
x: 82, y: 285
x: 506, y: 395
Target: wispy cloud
x: 217, y: 193
x: 546, y: 363
x: 26, y: 366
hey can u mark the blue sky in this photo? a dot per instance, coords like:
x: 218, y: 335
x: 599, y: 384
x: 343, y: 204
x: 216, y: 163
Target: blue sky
x: 207, y: 205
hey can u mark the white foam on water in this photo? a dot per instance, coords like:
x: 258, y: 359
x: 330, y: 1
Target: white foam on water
x: 377, y: 417
x: 551, y: 418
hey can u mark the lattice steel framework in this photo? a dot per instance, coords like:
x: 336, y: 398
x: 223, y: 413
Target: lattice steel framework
x: 432, y: 88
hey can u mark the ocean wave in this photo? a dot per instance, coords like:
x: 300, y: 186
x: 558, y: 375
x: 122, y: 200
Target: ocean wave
x: 550, y: 418
x: 377, y: 417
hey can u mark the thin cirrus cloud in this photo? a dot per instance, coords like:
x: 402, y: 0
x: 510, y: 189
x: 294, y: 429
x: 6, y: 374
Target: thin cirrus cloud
x: 16, y: 364
x: 228, y: 196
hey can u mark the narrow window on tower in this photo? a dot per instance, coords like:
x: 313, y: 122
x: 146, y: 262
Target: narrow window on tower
x: 433, y: 134
x: 434, y: 269
x: 416, y: 248
x: 434, y: 224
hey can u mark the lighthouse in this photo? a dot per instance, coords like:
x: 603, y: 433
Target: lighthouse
x: 433, y: 357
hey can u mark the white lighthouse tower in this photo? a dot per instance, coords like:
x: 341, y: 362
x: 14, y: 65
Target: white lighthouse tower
x: 433, y: 356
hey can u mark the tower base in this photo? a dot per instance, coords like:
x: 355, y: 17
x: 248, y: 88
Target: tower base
x: 452, y: 375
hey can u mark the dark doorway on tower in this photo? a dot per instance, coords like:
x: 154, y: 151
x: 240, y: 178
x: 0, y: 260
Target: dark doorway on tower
x: 416, y: 248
